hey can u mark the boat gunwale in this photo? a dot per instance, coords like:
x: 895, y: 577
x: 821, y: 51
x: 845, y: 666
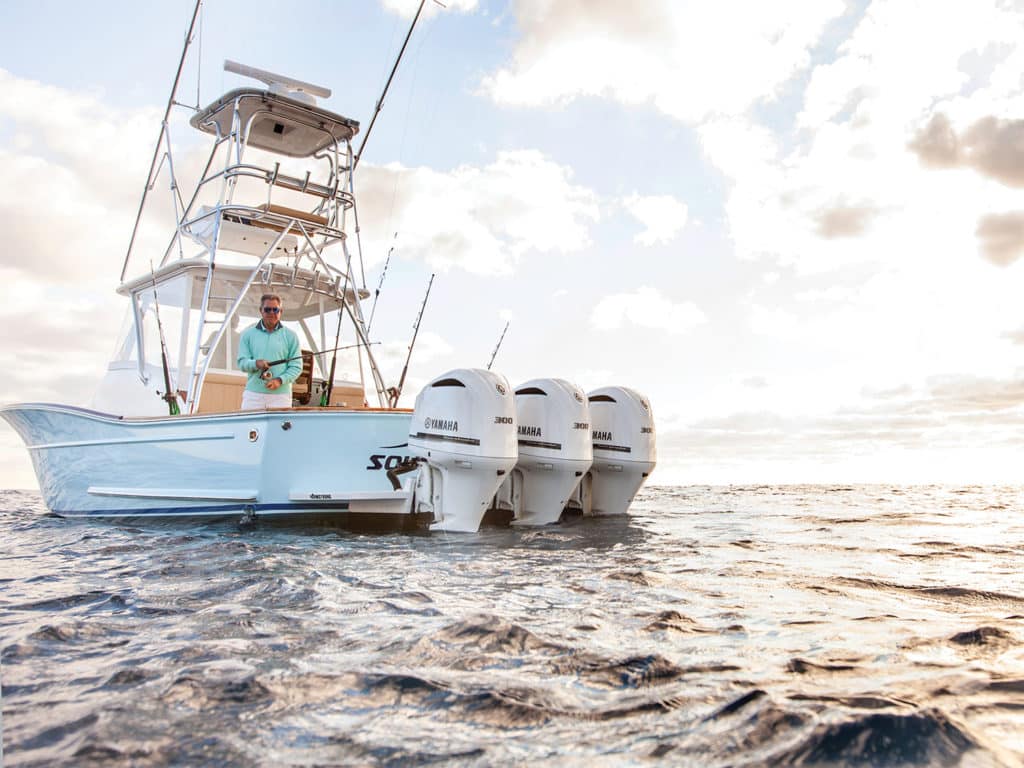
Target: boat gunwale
x: 305, y: 411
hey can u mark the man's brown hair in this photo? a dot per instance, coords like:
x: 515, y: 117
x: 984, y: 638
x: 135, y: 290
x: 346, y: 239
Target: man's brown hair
x: 270, y: 297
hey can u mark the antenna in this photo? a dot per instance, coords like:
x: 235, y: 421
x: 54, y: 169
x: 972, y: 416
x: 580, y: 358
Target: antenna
x: 287, y: 86
x: 396, y: 392
x: 494, y: 354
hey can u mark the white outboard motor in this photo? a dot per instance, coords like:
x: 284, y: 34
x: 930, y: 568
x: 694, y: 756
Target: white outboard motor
x: 554, y: 451
x: 464, y: 427
x: 622, y: 427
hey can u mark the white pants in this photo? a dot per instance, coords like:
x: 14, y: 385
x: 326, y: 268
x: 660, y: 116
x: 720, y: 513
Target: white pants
x: 258, y: 401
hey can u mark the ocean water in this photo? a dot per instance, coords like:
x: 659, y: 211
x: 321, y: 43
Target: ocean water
x: 734, y: 626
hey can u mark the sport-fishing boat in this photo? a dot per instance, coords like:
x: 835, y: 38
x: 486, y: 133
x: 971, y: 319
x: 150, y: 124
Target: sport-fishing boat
x: 270, y: 214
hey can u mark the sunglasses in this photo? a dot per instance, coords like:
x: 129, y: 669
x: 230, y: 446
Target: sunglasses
x: 271, y: 310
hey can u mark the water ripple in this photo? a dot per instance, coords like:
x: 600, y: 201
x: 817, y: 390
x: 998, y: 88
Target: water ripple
x: 740, y: 626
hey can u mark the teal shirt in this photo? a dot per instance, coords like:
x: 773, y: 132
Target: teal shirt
x: 257, y: 343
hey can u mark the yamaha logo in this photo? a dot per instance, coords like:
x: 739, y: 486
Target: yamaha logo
x: 447, y: 425
x: 644, y: 404
x: 501, y: 389
x: 577, y: 395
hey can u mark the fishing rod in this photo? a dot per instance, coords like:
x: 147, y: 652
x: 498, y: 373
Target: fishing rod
x: 325, y: 396
x: 169, y: 396
x: 380, y: 101
x: 396, y: 392
x: 380, y: 285
x: 317, y: 354
x: 501, y: 339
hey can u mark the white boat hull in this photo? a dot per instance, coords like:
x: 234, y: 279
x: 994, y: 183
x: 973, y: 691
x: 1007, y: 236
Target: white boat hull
x: 285, y: 462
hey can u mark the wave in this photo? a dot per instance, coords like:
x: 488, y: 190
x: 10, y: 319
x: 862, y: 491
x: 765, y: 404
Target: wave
x: 959, y: 594
x: 926, y: 738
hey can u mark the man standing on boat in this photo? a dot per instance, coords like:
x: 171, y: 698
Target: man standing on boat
x: 269, y: 386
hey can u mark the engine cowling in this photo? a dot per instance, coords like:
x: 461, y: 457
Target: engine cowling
x: 554, y: 450
x: 625, y: 450
x: 464, y: 428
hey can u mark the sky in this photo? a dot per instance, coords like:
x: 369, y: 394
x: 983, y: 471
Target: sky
x: 797, y: 227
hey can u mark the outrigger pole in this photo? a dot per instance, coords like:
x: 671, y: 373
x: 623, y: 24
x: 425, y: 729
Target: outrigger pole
x: 163, y: 130
x: 380, y: 101
x: 396, y: 392
x: 392, y: 393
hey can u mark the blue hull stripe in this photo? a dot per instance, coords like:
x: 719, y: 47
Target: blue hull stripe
x: 214, y: 509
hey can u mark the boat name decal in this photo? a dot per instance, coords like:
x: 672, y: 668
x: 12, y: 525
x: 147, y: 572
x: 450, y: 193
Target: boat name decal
x: 320, y: 497
x: 528, y: 431
x: 599, y: 435
x: 580, y: 425
x: 502, y: 419
x: 381, y: 461
x: 447, y: 425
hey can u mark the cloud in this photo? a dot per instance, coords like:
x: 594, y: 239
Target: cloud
x: 479, y: 219
x: 663, y: 217
x: 935, y: 432
x: 428, y: 355
x: 430, y: 347
x: 406, y: 9
x: 887, y: 393
x: 690, y: 60
x: 961, y: 394
x: 66, y: 128
x: 991, y: 146
x: 861, y: 111
x: 936, y: 144
x: 844, y: 221
x: 1001, y: 237
x: 773, y: 321
x: 996, y: 149
x: 74, y: 173
x: 645, y: 308
x: 716, y: 69
x: 45, y: 336
x: 1016, y: 337
x: 73, y: 170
